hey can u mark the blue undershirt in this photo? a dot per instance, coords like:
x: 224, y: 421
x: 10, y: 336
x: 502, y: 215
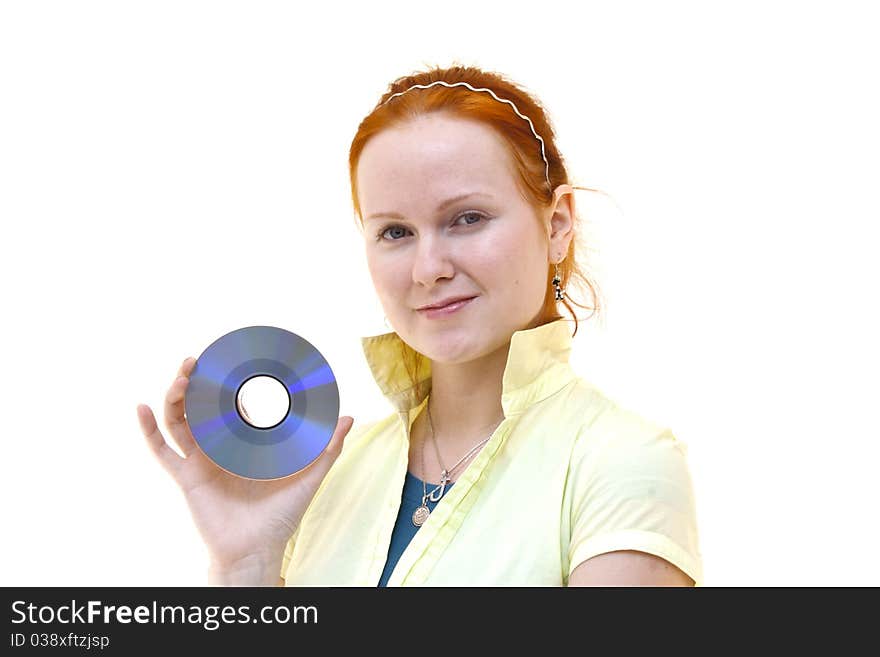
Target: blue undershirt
x: 404, y: 529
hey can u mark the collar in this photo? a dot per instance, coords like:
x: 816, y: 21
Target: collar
x: 537, y: 367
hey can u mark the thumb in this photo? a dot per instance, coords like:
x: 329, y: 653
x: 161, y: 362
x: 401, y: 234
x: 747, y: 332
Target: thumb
x: 343, y: 426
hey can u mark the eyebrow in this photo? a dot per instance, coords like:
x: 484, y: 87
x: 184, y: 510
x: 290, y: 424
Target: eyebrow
x: 445, y: 204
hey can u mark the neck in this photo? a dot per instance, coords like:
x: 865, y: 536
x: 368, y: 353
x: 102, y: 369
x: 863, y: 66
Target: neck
x: 465, y: 400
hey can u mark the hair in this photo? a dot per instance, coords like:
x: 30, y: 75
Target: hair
x: 523, y: 147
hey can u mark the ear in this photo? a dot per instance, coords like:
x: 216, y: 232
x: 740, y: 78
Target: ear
x: 561, y: 223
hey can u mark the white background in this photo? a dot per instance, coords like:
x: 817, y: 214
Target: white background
x: 171, y: 171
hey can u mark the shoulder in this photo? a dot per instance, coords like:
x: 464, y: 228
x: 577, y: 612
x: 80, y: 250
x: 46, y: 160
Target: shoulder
x: 620, y: 456
x: 611, y: 432
x: 629, y: 492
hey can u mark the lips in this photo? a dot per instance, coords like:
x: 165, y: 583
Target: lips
x: 445, y: 303
x: 449, y: 310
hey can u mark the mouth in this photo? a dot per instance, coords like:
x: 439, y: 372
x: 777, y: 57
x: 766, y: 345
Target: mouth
x: 448, y: 309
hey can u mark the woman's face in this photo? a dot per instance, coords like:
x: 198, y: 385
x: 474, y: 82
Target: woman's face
x: 488, y: 245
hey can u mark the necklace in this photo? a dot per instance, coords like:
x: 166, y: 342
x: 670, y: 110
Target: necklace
x: 421, y: 514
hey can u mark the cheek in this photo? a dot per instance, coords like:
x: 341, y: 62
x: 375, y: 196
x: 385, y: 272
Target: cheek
x: 509, y: 268
x: 389, y: 274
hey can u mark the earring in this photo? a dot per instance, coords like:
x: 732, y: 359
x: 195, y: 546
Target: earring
x: 556, y: 281
x: 386, y: 321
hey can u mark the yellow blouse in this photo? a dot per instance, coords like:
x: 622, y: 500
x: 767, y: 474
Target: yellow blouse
x: 567, y: 475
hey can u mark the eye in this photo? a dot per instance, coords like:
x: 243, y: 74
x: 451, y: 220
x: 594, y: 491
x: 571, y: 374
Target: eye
x: 401, y: 231
x: 381, y: 234
x: 470, y: 214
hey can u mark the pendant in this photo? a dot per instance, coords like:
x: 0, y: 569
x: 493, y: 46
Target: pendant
x: 421, y: 515
x: 439, y: 490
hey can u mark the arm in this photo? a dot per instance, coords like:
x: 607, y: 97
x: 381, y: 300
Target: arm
x: 628, y: 568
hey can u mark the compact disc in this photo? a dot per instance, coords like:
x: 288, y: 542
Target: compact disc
x: 220, y: 423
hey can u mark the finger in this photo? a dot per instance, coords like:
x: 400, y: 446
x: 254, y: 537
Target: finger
x: 186, y: 367
x: 174, y: 414
x: 174, y: 418
x: 166, y: 456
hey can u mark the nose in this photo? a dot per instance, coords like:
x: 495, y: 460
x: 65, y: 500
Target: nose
x: 431, y: 261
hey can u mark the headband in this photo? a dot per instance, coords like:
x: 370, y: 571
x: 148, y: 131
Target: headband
x: 501, y: 100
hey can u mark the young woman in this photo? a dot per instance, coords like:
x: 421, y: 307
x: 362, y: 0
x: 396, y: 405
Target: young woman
x: 499, y: 465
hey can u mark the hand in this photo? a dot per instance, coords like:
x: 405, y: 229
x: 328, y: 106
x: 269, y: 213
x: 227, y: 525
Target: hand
x: 237, y: 518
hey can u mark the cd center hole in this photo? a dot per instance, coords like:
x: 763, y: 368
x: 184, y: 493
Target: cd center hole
x: 263, y: 402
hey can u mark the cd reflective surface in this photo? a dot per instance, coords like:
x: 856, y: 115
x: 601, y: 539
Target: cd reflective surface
x: 230, y: 438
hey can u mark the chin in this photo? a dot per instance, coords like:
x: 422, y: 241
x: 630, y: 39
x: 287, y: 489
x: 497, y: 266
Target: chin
x: 452, y: 345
